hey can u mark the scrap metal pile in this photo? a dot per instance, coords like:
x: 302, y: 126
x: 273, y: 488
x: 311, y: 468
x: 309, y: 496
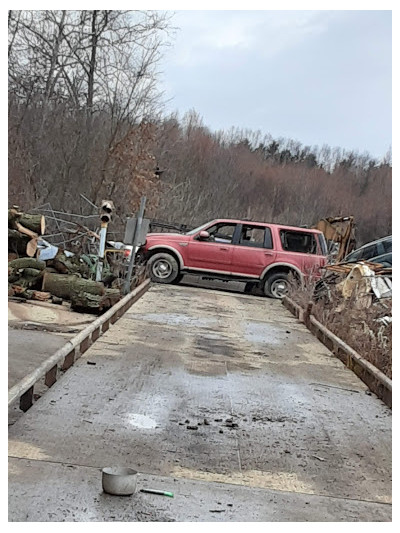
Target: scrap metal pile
x: 353, y: 300
x: 363, y: 282
x: 40, y: 271
x: 350, y: 275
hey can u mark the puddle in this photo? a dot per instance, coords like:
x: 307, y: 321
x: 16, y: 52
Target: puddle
x: 216, y: 345
x: 263, y: 333
x: 142, y: 421
x: 175, y: 319
x: 207, y: 368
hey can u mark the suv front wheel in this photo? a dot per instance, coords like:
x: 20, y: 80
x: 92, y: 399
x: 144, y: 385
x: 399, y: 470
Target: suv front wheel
x: 277, y: 285
x: 163, y: 268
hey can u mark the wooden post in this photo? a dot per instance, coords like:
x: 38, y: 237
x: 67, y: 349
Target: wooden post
x: 26, y: 400
x: 307, y: 314
x: 69, y: 360
x: 51, y: 376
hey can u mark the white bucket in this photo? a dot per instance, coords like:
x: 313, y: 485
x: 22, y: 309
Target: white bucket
x: 119, y: 481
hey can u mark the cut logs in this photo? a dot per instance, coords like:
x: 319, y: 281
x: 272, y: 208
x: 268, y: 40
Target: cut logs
x: 64, y: 277
x: 33, y: 223
x: 66, y: 285
x: 84, y: 301
x: 23, y: 232
x: 27, y: 262
x: 21, y: 244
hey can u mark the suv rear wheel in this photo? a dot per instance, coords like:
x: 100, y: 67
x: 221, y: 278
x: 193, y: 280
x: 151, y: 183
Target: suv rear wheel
x: 163, y: 268
x: 277, y: 285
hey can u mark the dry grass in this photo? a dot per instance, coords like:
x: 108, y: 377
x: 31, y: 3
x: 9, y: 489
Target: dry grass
x: 359, y: 328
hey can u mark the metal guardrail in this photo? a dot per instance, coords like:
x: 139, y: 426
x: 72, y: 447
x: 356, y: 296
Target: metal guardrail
x: 376, y: 380
x: 65, y: 357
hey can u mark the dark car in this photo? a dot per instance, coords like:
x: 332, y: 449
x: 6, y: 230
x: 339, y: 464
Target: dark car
x: 371, y: 250
x: 385, y: 260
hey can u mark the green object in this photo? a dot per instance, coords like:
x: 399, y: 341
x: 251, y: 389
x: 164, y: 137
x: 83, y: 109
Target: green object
x: 161, y: 492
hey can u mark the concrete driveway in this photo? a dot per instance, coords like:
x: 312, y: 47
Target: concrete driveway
x: 222, y: 398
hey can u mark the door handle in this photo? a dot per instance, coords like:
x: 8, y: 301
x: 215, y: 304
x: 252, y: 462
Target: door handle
x: 223, y: 248
x: 268, y: 253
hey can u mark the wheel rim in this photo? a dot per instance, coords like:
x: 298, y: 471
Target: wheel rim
x: 162, y: 269
x: 279, y: 288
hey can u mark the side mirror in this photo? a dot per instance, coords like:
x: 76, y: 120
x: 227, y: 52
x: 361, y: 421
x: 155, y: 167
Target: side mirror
x: 203, y: 235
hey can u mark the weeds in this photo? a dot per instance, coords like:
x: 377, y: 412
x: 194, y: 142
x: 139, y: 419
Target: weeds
x: 365, y: 330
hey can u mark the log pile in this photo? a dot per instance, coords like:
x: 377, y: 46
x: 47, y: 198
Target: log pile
x: 64, y: 277
x: 24, y: 231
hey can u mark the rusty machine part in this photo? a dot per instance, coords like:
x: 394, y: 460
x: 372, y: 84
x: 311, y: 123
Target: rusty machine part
x: 339, y: 230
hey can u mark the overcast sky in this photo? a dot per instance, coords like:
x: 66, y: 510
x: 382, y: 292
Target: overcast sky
x: 319, y: 77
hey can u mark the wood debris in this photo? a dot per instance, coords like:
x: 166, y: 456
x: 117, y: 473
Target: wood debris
x: 64, y: 277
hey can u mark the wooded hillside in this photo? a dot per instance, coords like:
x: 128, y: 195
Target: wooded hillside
x: 85, y: 116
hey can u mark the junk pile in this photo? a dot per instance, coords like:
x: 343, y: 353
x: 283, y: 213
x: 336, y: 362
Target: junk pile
x: 40, y: 271
x: 339, y: 233
x: 363, y: 282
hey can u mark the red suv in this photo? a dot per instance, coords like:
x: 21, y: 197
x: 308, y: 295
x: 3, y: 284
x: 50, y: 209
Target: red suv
x: 254, y: 252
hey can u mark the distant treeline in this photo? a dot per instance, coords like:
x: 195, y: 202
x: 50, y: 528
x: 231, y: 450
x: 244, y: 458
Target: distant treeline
x: 85, y: 116
x: 242, y: 174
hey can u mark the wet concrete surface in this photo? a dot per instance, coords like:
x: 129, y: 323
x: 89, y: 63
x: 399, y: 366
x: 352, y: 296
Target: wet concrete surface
x: 217, y: 396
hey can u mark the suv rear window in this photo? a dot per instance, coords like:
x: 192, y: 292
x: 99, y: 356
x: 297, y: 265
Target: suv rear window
x: 298, y: 241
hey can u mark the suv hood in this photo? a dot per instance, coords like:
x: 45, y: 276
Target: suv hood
x: 169, y: 236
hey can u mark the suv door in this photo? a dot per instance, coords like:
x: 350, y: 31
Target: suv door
x: 253, y: 250
x: 215, y: 253
x: 301, y: 248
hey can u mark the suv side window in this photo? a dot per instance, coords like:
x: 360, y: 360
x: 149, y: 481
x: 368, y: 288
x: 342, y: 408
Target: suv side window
x: 298, y: 241
x: 221, y: 232
x: 255, y: 236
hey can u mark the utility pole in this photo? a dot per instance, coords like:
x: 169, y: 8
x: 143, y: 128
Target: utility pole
x: 127, y: 286
x: 105, y: 216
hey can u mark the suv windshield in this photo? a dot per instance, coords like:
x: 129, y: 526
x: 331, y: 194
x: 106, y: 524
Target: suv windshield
x: 195, y: 230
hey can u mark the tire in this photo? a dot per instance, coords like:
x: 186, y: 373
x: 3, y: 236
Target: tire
x: 163, y: 268
x: 249, y: 287
x: 277, y: 285
x: 177, y: 279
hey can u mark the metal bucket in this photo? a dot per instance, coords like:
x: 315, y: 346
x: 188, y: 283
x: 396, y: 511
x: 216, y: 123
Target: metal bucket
x: 119, y: 481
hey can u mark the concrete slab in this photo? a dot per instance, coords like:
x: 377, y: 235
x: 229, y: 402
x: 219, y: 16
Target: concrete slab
x: 36, y: 330
x: 51, y: 492
x: 276, y: 414
x: 28, y: 349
